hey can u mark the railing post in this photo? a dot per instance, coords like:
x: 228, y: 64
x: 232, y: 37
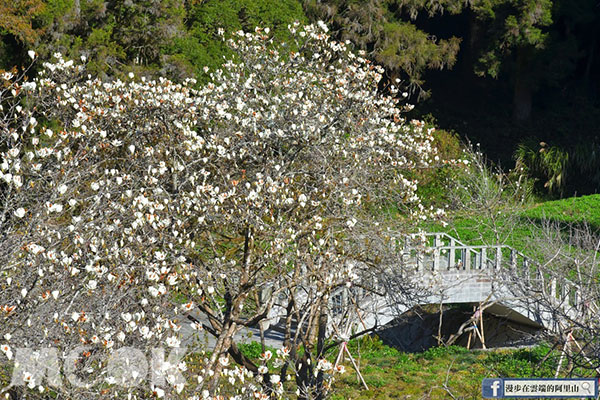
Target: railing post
x: 452, y: 255
x: 419, y: 258
x: 483, y: 257
x: 526, y: 271
x: 513, y: 258
x: 436, y: 252
x: 467, y: 259
x: 498, y: 257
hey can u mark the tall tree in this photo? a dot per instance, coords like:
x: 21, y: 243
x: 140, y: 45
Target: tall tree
x: 385, y: 29
x: 119, y: 197
x: 514, y: 38
x: 17, y: 30
x: 509, y: 32
x: 203, y: 47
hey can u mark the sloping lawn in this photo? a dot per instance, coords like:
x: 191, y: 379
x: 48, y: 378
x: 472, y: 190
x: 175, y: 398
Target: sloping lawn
x: 571, y: 210
x: 435, y: 373
x: 476, y: 230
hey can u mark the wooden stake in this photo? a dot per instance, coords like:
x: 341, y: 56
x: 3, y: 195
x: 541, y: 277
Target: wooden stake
x: 482, y: 332
x: 340, y: 358
x: 355, y: 367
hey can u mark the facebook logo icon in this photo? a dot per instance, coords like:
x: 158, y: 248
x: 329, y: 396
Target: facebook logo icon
x: 492, y: 388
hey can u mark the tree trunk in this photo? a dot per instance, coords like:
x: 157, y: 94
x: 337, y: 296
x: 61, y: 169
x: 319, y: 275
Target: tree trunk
x: 468, y: 48
x: 322, y: 332
x: 523, y: 90
x: 221, y: 349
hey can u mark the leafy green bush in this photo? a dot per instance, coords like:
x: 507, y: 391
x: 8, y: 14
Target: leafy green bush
x: 547, y: 164
x: 524, y: 363
x: 253, y: 350
x: 433, y: 188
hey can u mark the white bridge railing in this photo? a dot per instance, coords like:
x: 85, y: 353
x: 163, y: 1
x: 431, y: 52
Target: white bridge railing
x: 441, y: 252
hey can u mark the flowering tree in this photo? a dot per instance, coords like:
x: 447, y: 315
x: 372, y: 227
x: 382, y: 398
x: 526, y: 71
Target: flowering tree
x: 127, y: 205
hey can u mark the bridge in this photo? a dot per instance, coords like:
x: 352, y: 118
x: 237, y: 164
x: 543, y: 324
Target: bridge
x: 499, y: 275
x: 452, y: 272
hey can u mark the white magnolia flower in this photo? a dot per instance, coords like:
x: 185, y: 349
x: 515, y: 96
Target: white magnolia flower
x: 57, y: 207
x: 29, y: 86
x: 6, y: 350
x: 302, y: 200
x: 172, y: 341
x: 18, y: 181
x: 153, y: 291
x: 20, y: 212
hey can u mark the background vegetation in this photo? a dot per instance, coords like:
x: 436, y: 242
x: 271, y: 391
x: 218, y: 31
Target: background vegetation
x: 521, y: 77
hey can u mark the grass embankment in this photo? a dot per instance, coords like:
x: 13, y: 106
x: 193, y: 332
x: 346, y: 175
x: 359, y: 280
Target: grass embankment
x: 517, y: 232
x: 435, y: 373
x: 573, y: 210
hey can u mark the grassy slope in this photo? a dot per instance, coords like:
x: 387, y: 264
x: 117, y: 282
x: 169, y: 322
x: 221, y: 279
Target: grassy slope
x: 570, y: 210
x: 574, y: 210
x: 394, y: 375
x: 391, y: 374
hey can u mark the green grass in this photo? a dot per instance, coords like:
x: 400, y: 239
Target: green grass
x: 575, y: 210
x: 477, y: 230
x: 391, y: 374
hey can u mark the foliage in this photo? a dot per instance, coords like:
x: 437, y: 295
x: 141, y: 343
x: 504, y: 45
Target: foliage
x: 254, y: 350
x: 436, y: 352
x: 393, y: 374
x: 557, y: 166
x: 384, y: 29
x: 434, y: 182
x: 201, y: 46
x: 510, y: 25
x: 16, y: 19
x: 548, y: 163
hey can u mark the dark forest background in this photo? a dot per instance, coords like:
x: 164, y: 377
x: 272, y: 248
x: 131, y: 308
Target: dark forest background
x: 520, y: 77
